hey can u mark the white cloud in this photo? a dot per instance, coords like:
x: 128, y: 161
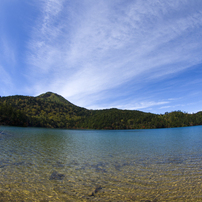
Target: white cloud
x: 133, y: 105
x: 80, y: 49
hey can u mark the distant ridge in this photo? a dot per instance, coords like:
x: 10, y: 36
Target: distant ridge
x: 54, y: 111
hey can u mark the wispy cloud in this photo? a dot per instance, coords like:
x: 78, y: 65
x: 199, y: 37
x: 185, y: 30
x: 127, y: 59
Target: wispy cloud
x: 83, y: 49
x: 134, y: 105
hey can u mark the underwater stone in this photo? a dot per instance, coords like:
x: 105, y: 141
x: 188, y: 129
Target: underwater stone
x: 56, y: 176
x: 92, y: 193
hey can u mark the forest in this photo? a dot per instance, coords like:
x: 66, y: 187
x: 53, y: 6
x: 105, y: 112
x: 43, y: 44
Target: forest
x: 51, y: 110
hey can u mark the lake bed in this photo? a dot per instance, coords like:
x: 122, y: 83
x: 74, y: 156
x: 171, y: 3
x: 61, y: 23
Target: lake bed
x: 38, y: 164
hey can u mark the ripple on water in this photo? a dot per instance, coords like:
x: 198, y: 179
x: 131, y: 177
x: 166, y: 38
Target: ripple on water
x: 38, y: 166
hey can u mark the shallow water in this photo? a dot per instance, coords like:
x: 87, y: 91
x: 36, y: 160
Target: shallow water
x: 92, y: 165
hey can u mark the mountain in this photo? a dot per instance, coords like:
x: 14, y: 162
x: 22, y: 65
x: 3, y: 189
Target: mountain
x: 53, y: 97
x: 53, y: 111
x: 45, y: 110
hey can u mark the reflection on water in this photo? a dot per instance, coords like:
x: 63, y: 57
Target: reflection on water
x: 89, y: 165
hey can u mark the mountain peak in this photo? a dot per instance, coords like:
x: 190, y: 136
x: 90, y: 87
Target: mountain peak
x: 53, y: 97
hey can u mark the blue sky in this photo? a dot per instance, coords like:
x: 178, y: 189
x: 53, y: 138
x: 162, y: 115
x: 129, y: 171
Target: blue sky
x: 144, y: 55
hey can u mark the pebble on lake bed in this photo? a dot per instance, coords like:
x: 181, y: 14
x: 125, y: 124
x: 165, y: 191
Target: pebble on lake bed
x: 92, y: 193
x: 56, y: 176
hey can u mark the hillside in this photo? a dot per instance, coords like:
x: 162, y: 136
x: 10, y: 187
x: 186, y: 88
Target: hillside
x: 46, y: 110
x: 53, y: 111
x: 49, y: 96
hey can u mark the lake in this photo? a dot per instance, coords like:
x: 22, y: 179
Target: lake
x: 38, y: 164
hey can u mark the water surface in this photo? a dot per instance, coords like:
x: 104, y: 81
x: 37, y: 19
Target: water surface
x: 93, y: 165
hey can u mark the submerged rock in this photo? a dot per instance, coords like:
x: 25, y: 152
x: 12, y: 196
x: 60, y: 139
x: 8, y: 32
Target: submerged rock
x: 92, y: 193
x: 59, y: 164
x: 98, y: 188
x: 100, y: 167
x: 56, y: 176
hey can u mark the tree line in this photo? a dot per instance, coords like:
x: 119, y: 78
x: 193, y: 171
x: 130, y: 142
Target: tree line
x: 53, y: 111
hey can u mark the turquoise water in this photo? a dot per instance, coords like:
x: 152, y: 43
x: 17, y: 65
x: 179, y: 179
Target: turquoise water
x: 100, y: 165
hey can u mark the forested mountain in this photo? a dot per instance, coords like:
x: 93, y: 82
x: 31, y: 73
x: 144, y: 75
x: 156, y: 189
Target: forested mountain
x: 46, y: 110
x: 54, y: 111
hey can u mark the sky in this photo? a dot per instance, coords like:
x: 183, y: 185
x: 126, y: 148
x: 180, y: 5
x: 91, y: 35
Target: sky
x: 125, y: 54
